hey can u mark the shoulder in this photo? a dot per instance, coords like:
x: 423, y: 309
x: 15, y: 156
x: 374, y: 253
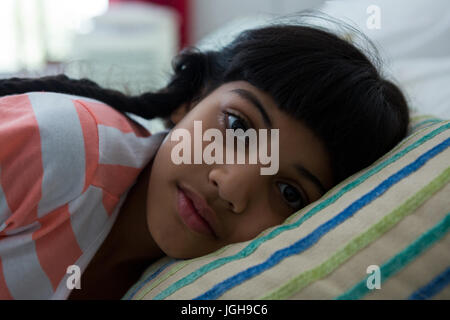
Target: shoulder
x: 125, y: 148
x: 51, y: 151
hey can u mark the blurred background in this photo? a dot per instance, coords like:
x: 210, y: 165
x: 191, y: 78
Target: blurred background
x: 129, y: 45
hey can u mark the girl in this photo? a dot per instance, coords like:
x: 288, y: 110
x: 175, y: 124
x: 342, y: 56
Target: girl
x: 84, y: 188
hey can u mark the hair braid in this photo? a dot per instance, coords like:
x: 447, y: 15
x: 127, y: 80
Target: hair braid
x: 185, y: 85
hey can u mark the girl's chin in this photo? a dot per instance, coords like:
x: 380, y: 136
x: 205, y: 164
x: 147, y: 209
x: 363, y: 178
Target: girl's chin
x: 183, y: 247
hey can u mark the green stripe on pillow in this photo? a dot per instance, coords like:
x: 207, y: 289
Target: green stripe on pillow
x: 402, y: 259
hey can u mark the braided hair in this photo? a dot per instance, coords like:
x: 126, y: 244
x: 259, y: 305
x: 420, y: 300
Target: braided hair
x: 313, y: 75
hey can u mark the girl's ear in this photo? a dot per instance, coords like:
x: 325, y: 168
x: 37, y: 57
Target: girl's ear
x: 179, y: 113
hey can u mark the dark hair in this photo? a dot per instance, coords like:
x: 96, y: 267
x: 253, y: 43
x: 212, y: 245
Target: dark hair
x: 313, y: 75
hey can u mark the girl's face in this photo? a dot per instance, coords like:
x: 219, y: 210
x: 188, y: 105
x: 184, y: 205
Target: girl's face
x: 242, y: 202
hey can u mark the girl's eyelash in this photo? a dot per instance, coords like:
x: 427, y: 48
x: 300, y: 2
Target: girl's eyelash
x: 224, y: 121
x: 301, y: 191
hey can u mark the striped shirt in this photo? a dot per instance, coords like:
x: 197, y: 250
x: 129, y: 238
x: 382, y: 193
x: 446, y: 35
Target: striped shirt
x: 66, y: 166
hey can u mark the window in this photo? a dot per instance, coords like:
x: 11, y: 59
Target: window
x: 34, y: 33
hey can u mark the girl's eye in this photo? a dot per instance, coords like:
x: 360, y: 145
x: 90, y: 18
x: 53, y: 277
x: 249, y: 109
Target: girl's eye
x: 235, y: 122
x: 292, y: 196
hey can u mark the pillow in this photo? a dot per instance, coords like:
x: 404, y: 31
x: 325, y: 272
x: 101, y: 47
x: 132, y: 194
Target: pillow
x: 387, y: 226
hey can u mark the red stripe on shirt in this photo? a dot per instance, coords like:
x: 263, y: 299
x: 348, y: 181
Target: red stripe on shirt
x: 108, y: 116
x: 20, y: 159
x: 4, y: 292
x: 56, y: 244
x: 114, y: 178
x: 90, y: 135
x: 109, y: 202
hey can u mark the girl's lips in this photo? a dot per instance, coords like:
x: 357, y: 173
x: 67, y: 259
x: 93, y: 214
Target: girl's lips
x: 189, y: 214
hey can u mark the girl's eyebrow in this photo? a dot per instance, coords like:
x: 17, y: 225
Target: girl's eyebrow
x: 249, y: 96
x: 308, y: 175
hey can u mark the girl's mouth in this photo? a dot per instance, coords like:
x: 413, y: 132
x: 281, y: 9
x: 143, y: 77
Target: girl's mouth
x: 190, y: 215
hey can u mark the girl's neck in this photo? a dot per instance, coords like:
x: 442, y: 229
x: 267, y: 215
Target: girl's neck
x: 130, y: 239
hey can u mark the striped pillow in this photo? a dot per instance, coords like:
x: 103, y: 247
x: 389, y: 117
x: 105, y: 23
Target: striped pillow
x: 394, y: 214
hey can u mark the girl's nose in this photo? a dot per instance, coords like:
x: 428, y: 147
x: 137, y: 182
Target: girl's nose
x: 236, y: 184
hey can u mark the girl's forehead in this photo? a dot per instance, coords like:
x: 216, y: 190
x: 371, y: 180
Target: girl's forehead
x: 230, y: 87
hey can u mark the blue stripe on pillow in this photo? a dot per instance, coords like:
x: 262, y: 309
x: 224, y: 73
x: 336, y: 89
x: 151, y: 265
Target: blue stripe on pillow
x: 433, y: 287
x: 130, y: 294
x: 421, y: 123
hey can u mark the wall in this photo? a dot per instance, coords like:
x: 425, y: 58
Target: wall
x: 207, y: 15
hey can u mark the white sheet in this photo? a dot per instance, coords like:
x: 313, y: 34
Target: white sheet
x: 414, y: 43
